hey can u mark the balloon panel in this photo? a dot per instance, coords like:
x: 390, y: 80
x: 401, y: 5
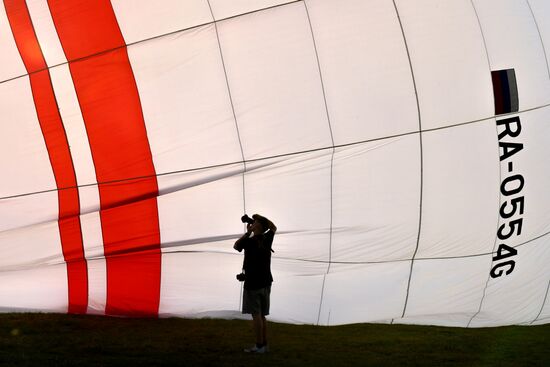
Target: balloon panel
x: 296, y: 189
x: 364, y: 36
x: 360, y: 287
x: 264, y: 56
x: 135, y: 17
x: 40, y: 288
x: 179, y: 76
x: 195, y: 282
x: 188, y: 216
x: 376, y: 193
x: 297, y: 296
x: 449, y: 199
x: 448, y: 60
x: 400, y: 149
x: 24, y: 163
x: 519, y: 299
x: 447, y: 286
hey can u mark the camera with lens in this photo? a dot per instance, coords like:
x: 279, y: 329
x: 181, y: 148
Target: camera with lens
x: 246, y: 219
x: 241, y: 277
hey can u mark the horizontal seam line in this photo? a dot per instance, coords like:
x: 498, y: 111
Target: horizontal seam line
x: 397, y: 260
x: 181, y: 30
x: 92, y: 258
x: 271, y: 157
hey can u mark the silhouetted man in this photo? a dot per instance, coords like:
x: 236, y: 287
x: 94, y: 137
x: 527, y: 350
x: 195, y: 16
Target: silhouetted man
x: 256, y: 243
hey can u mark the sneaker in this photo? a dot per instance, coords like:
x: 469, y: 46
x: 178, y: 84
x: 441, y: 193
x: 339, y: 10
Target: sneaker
x: 255, y: 349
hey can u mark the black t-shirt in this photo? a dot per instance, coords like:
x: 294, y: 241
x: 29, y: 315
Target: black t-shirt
x: 257, y: 261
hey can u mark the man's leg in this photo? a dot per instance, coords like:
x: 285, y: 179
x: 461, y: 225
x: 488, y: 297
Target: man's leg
x: 258, y: 323
x: 264, y: 330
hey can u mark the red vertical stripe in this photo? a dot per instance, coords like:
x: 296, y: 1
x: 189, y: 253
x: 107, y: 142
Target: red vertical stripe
x: 58, y: 151
x: 109, y: 101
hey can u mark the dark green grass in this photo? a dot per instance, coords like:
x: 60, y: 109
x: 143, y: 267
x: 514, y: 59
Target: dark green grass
x: 65, y: 340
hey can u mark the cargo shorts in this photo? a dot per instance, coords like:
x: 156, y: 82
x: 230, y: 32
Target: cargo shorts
x: 256, y: 301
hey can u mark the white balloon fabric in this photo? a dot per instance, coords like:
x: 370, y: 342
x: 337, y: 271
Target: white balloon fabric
x: 401, y: 147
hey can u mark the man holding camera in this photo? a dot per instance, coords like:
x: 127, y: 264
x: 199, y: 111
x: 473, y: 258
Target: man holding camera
x: 256, y: 243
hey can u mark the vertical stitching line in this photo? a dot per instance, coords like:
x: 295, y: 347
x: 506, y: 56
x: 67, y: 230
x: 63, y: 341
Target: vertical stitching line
x: 234, y: 119
x: 331, y: 159
x: 421, y: 158
x: 540, y: 37
x: 543, y: 303
x: 499, y: 170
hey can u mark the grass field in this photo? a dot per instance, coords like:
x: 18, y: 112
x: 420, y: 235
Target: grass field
x: 66, y: 340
